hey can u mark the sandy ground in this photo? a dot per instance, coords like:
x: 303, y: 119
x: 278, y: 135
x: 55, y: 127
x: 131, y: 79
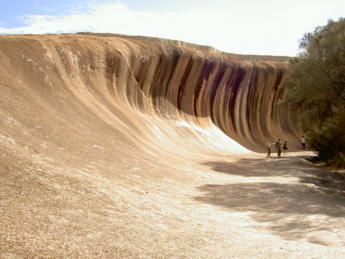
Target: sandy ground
x: 245, y: 206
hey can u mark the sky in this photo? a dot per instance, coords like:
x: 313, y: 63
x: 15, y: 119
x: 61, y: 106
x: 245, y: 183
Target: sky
x: 262, y: 27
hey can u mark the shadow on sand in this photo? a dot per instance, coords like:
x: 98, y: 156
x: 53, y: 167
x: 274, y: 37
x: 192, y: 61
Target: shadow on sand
x: 303, y: 199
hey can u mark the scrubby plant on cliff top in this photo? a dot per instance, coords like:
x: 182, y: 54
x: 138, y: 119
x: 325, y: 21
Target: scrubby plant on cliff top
x: 316, y: 84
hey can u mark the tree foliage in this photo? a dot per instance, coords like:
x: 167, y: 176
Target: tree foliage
x: 316, y: 90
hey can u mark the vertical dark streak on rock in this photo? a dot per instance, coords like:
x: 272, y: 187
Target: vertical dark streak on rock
x: 204, y: 75
x: 176, y: 57
x: 263, y: 115
x: 183, y: 83
x: 252, y: 106
x: 278, y: 79
x: 157, y: 80
x: 227, y: 98
x: 235, y: 83
x: 215, y: 87
x: 110, y: 70
x: 142, y: 73
x: 164, y: 73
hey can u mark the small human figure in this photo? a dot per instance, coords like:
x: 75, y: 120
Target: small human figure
x: 268, y: 148
x: 279, y: 148
x: 285, y: 148
x: 303, y: 142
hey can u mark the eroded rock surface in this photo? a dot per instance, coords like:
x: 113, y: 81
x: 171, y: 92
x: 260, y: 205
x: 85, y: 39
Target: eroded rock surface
x: 129, y: 147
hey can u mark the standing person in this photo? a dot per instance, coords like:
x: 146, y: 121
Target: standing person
x: 285, y: 148
x: 268, y: 148
x: 303, y: 142
x: 279, y: 148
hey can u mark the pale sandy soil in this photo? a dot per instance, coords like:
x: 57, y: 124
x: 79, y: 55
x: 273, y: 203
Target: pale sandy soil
x: 245, y: 206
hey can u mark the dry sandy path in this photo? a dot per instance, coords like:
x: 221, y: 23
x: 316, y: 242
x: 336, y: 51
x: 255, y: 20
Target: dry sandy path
x: 213, y: 207
x: 299, y: 205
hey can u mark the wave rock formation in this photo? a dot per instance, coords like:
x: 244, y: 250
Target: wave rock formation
x: 92, y: 124
x: 195, y: 84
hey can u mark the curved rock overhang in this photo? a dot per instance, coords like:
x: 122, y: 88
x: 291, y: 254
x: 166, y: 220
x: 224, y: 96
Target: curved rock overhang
x: 162, y: 78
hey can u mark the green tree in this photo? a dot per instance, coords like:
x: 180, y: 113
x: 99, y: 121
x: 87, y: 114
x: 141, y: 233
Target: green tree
x: 316, y: 90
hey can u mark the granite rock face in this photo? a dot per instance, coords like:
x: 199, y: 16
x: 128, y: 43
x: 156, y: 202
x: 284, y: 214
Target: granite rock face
x: 130, y: 147
x: 162, y: 78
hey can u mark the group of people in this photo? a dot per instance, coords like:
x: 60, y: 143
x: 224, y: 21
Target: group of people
x: 279, y: 146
